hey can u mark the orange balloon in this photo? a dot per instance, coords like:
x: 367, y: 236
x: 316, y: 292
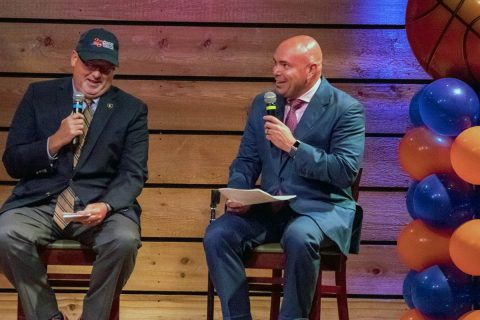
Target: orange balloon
x: 465, y: 155
x: 412, y: 314
x: 465, y: 247
x: 472, y: 315
x: 420, y: 246
x: 423, y: 152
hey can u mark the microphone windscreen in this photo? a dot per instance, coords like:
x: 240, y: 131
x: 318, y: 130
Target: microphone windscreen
x: 270, y: 98
x: 78, y: 97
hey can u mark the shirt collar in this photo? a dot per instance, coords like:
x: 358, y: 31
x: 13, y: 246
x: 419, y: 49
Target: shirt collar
x: 307, y: 96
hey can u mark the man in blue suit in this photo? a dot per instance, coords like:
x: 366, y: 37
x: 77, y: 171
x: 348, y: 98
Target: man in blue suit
x: 99, y: 177
x: 313, y: 149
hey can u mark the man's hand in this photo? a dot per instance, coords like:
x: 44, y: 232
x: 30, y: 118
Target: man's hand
x: 95, y: 213
x: 71, y: 127
x: 278, y: 133
x: 236, y: 207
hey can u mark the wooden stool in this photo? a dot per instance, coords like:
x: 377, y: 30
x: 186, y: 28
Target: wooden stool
x: 69, y: 253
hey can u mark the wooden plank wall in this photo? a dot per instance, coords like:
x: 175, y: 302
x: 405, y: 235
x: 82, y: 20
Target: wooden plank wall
x: 197, y: 64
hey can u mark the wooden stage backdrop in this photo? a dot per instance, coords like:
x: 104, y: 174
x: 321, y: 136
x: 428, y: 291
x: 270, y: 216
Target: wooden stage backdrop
x: 198, y: 64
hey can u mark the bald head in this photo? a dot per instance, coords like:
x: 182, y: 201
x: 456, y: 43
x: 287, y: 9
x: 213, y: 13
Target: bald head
x: 298, y: 65
x: 303, y: 46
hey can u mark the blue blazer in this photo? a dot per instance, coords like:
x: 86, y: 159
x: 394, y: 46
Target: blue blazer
x: 332, y: 135
x: 113, y: 164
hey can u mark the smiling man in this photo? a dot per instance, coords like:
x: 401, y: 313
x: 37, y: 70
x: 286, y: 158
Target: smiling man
x: 313, y: 149
x: 91, y: 165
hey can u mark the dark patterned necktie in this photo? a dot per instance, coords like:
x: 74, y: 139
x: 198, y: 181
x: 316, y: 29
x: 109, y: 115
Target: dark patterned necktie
x: 66, y: 199
x: 291, y: 120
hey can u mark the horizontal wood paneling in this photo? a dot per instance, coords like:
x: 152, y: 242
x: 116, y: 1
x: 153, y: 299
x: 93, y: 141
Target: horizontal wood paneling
x: 211, y: 51
x: 193, y: 105
x: 204, y: 159
x: 247, y: 11
x: 172, y: 266
x: 183, y: 307
x: 185, y: 213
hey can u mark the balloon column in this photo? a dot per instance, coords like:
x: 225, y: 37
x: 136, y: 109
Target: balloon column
x: 441, y: 154
x: 441, y: 245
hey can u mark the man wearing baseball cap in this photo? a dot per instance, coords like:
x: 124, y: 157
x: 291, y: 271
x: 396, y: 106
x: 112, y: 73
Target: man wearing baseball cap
x: 79, y: 173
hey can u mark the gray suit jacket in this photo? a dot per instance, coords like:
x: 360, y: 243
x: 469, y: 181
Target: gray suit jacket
x: 113, y: 164
x: 332, y: 135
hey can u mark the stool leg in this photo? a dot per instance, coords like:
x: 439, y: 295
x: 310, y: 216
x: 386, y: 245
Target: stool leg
x: 341, y: 282
x: 276, y: 289
x: 210, y: 299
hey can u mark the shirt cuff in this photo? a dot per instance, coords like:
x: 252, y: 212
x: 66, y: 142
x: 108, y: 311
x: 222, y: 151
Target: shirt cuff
x: 55, y: 156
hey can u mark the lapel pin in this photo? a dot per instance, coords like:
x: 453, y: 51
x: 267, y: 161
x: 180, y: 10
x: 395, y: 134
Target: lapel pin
x: 110, y: 105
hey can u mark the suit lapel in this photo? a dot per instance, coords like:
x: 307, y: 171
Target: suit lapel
x: 63, y: 107
x: 277, y: 154
x: 64, y: 100
x: 315, y: 110
x: 105, y: 108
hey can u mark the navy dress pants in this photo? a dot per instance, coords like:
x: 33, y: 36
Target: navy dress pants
x: 231, y: 237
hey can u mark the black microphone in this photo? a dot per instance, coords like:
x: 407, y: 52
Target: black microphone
x: 78, y: 99
x: 270, y: 98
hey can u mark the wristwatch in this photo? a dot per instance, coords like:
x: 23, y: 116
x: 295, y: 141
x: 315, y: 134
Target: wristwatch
x: 293, y: 150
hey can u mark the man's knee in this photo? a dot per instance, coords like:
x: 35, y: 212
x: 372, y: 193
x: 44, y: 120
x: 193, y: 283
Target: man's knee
x: 298, y: 241
x: 217, y: 235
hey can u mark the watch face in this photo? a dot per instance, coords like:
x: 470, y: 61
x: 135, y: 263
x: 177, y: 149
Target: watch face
x: 296, y: 143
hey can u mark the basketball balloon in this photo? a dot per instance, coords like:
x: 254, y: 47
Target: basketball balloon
x: 444, y: 37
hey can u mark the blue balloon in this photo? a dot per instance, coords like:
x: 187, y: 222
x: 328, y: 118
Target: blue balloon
x: 414, y: 109
x: 409, y: 199
x: 442, y: 292
x: 444, y: 201
x: 407, y: 288
x: 448, y: 106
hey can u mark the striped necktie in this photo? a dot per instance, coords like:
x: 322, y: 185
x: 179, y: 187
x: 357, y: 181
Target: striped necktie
x: 66, y: 199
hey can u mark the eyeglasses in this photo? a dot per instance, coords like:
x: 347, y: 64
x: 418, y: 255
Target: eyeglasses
x: 94, y: 66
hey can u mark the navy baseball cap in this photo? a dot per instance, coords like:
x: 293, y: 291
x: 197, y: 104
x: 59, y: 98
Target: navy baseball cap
x: 98, y: 44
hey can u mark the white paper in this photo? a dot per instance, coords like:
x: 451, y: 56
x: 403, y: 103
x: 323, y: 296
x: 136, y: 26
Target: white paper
x: 251, y: 196
x: 69, y: 215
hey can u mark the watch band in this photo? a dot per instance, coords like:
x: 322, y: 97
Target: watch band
x: 293, y: 150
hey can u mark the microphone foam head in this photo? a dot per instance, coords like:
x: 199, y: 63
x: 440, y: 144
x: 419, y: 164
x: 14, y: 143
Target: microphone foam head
x: 78, y: 97
x: 270, y: 97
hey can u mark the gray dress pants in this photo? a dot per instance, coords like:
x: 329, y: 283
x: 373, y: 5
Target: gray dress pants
x: 24, y: 230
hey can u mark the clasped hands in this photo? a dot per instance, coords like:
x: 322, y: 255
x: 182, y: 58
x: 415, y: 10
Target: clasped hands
x: 92, y: 215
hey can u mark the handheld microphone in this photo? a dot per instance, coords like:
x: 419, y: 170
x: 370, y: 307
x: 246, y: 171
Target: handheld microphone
x: 78, y: 99
x: 270, y: 98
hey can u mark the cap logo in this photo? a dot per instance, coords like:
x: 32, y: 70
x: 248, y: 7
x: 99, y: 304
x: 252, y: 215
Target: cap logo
x: 102, y: 43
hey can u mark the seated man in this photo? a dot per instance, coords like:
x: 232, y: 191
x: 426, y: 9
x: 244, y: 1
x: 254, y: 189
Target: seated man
x: 312, y: 149
x: 93, y: 163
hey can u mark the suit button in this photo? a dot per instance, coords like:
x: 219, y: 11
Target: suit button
x: 48, y: 194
